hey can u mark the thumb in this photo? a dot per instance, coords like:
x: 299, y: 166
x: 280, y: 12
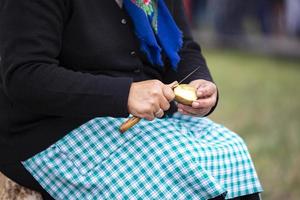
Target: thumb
x: 169, y: 92
x: 172, y: 85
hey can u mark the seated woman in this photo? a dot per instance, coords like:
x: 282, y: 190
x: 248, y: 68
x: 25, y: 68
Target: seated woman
x: 72, y: 71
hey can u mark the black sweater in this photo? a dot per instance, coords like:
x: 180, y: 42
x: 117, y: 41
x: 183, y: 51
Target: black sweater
x: 64, y: 62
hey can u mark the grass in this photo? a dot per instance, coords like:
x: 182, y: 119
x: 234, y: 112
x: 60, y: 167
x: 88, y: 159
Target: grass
x: 260, y: 100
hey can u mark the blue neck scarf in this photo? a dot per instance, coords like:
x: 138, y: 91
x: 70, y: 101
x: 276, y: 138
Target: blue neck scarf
x: 156, y: 30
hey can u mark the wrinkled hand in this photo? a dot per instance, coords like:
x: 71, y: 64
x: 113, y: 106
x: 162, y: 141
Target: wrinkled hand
x: 149, y: 99
x: 207, y: 97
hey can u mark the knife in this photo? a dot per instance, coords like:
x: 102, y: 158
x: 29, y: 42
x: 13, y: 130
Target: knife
x: 134, y: 120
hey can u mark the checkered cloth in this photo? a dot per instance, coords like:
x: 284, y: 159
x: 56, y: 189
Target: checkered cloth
x: 179, y: 157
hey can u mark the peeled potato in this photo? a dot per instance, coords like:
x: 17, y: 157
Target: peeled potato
x: 185, y: 94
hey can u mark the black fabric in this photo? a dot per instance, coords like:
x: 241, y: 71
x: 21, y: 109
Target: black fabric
x: 63, y: 62
x: 221, y: 197
x: 254, y: 196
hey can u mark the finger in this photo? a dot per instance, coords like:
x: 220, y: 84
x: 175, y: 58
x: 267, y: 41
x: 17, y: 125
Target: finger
x: 149, y: 117
x: 159, y: 114
x: 199, y: 113
x: 198, y: 83
x: 172, y: 85
x: 168, y: 93
x: 204, y: 103
x: 184, y: 112
x: 151, y: 108
x: 164, y: 104
x: 190, y: 109
x: 206, y: 90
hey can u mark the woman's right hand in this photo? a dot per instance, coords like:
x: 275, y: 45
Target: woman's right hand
x: 149, y: 99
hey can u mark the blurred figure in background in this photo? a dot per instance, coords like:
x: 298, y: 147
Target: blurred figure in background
x: 234, y: 22
x: 264, y: 15
x: 195, y: 10
x: 227, y: 16
x: 293, y: 17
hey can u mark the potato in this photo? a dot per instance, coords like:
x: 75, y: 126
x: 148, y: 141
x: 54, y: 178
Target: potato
x: 185, y: 94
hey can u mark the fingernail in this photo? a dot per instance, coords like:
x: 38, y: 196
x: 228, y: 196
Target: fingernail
x: 180, y: 110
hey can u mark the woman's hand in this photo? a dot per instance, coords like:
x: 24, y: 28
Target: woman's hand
x: 207, y: 97
x: 149, y: 99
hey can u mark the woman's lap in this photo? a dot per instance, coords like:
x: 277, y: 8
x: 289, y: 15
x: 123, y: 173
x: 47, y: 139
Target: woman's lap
x: 174, y: 158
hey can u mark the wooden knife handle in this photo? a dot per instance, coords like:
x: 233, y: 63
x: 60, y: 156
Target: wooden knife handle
x: 134, y: 120
x: 129, y: 123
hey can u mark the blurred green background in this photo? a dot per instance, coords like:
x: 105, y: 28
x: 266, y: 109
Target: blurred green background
x: 253, y: 51
x: 260, y: 100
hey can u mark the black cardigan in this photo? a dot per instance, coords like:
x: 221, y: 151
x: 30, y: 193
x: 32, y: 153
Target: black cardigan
x: 64, y: 62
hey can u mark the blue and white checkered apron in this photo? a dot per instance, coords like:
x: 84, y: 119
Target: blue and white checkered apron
x: 179, y: 157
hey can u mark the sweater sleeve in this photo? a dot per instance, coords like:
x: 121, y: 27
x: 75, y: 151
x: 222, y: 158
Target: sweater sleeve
x: 31, y: 75
x: 191, y: 56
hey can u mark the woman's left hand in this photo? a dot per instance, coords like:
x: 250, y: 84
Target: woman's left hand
x: 207, y: 97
